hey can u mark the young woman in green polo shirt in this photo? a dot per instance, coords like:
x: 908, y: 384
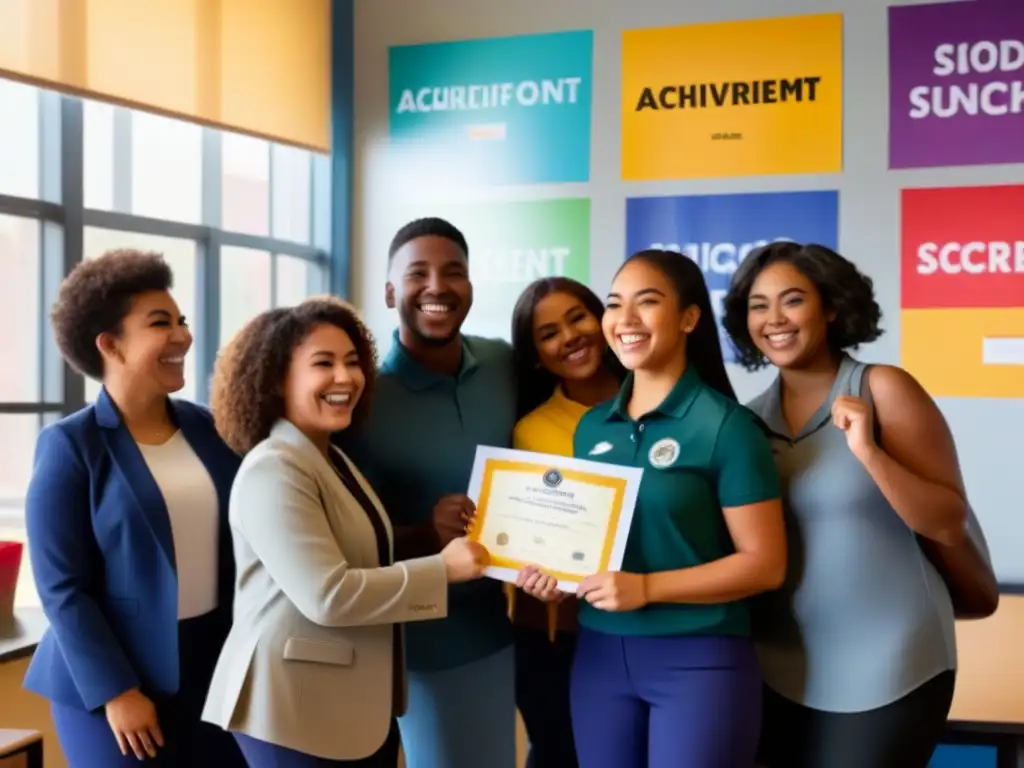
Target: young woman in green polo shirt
x: 665, y: 673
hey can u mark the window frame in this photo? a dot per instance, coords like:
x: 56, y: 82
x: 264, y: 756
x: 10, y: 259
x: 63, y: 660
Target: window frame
x: 63, y: 218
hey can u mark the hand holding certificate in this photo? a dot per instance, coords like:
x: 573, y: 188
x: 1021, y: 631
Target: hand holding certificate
x: 568, y: 516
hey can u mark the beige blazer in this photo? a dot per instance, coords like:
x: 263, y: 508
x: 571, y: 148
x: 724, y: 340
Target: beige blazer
x: 308, y: 663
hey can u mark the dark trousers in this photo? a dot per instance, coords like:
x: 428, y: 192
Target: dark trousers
x: 261, y: 754
x: 903, y: 734
x: 665, y: 702
x: 542, y: 696
x: 86, y: 738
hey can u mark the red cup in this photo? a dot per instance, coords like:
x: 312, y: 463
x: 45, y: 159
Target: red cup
x: 10, y: 565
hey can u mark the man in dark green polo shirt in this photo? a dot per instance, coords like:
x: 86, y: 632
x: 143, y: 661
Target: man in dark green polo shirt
x: 439, y: 395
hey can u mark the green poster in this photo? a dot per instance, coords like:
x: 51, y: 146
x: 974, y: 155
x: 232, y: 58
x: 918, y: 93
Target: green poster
x: 511, y: 244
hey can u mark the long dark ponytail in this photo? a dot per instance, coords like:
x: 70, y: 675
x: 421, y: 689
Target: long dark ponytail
x: 704, y: 347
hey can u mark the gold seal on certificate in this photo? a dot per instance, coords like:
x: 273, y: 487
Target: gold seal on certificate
x: 571, y: 517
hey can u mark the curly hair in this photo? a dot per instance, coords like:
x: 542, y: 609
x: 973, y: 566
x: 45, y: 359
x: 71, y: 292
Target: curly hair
x: 96, y: 296
x: 843, y: 288
x: 247, y: 398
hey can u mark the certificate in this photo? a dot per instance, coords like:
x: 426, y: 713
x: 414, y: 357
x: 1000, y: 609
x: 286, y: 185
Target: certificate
x: 568, y: 516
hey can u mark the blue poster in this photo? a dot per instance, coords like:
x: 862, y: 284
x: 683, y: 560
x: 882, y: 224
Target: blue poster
x: 511, y: 110
x: 718, y: 231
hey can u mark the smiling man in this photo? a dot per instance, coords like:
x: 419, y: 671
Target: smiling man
x: 439, y: 395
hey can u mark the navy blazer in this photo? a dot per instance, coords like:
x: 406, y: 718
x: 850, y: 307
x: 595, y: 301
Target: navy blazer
x: 99, y: 538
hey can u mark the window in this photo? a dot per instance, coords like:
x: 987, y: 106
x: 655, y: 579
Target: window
x: 295, y: 280
x: 23, y: 297
x: 18, y: 433
x: 245, y: 287
x: 245, y: 184
x: 143, y: 177
x: 19, y: 139
x: 292, y: 191
x: 251, y: 283
x: 98, y: 155
x: 143, y: 164
x: 181, y: 256
x: 167, y: 168
x: 20, y: 312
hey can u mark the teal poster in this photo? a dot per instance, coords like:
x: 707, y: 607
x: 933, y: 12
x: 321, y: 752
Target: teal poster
x: 511, y: 244
x: 511, y: 110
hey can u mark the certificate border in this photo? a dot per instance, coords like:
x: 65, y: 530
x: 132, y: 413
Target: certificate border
x: 617, y: 484
x: 625, y: 479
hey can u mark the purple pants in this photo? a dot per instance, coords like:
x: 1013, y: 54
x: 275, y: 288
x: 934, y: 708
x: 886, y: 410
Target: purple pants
x: 665, y: 702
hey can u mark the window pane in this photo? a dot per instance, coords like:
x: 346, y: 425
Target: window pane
x: 19, y: 310
x: 167, y: 168
x: 297, y: 280
x: 181, y: 256
x: 18, y: 433
x: 98, y: 149
x: 291, y: 193
x: 244, y: 287
x: 19, y: 139
x: 246, y: 184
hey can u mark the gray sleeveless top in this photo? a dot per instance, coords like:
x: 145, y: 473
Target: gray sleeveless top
x: 863, y: 617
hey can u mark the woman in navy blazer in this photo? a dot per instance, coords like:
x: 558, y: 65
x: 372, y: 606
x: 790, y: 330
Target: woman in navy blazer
x: 127, y: 532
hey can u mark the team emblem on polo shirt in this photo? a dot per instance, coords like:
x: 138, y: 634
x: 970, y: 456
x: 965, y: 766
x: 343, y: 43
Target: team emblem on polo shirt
x: 602, y: 447
x: 663, y: 453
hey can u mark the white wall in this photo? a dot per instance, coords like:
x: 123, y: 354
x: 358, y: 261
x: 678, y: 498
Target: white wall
x: 989, y: 433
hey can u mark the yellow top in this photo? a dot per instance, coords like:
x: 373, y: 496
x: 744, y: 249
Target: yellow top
x: 548, y: 428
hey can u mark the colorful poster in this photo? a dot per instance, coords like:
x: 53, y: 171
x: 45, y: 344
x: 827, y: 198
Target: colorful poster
x: 956, y: 84
x: 511, y: 244
x: 719, y: 231
x: 962, y: 290
x: 512, y: 110
x: 737, y: 98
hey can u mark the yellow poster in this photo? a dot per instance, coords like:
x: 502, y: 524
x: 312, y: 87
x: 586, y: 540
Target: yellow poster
x: 738, y: 98
x: 965, y: 352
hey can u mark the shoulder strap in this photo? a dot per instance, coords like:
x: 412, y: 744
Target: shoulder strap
x: 856, y: 387
x: 855, y: 383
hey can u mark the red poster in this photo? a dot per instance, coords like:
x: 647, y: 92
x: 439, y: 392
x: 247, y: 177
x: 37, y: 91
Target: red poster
x: 962, y: 247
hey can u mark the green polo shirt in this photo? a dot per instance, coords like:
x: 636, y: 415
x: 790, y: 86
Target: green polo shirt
x: 700, y: 452
x: 417, y: 446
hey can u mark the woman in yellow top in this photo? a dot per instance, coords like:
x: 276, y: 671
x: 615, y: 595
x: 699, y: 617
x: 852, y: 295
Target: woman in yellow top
x: 563, y: 367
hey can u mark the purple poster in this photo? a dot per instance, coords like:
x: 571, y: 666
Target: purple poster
x: 956, y: 83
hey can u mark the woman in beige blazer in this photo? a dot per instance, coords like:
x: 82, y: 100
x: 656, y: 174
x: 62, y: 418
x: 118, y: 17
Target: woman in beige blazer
x: 312, y: 672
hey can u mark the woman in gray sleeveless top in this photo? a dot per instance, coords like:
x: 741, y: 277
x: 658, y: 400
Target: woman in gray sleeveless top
x: 857, y: 649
